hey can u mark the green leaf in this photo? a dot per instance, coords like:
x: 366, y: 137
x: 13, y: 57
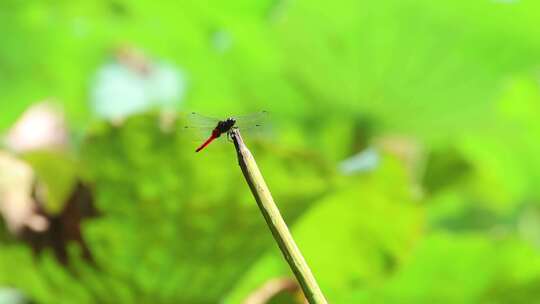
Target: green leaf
x: 57, y: 177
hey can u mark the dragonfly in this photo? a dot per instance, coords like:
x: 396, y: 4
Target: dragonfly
x: 213, y: 128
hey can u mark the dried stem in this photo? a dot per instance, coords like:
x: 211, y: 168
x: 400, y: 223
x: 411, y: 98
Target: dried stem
x: 275, y: 221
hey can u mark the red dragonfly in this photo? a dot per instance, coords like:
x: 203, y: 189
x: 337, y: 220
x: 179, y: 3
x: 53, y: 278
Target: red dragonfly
x: 217, y: 127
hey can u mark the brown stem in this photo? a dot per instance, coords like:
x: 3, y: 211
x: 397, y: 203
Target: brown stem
x: 275, y: 221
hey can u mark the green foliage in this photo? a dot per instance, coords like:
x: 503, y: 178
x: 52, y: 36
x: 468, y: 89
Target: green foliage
x: 178, y: 227
x: 165, y: 232
x: 57, y: 174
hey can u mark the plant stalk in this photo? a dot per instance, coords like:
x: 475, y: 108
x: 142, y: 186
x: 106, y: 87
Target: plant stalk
x: 275, y: 221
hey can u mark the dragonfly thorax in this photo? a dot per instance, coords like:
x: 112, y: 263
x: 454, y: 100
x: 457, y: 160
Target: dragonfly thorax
x: 225, y: 126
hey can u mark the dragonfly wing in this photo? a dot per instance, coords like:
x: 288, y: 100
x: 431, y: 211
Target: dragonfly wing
x: 197, y: 127
x: 251, y: 121
x: 195, y: 120
x: 198, y: 134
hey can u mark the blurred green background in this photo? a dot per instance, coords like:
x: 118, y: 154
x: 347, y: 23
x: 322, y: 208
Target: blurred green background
x: 403, y: 148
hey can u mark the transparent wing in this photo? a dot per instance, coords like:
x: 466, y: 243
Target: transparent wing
x: 197, y: 127
x: 251, y: 121
x: 197, y: 134
x: 194, y: 120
